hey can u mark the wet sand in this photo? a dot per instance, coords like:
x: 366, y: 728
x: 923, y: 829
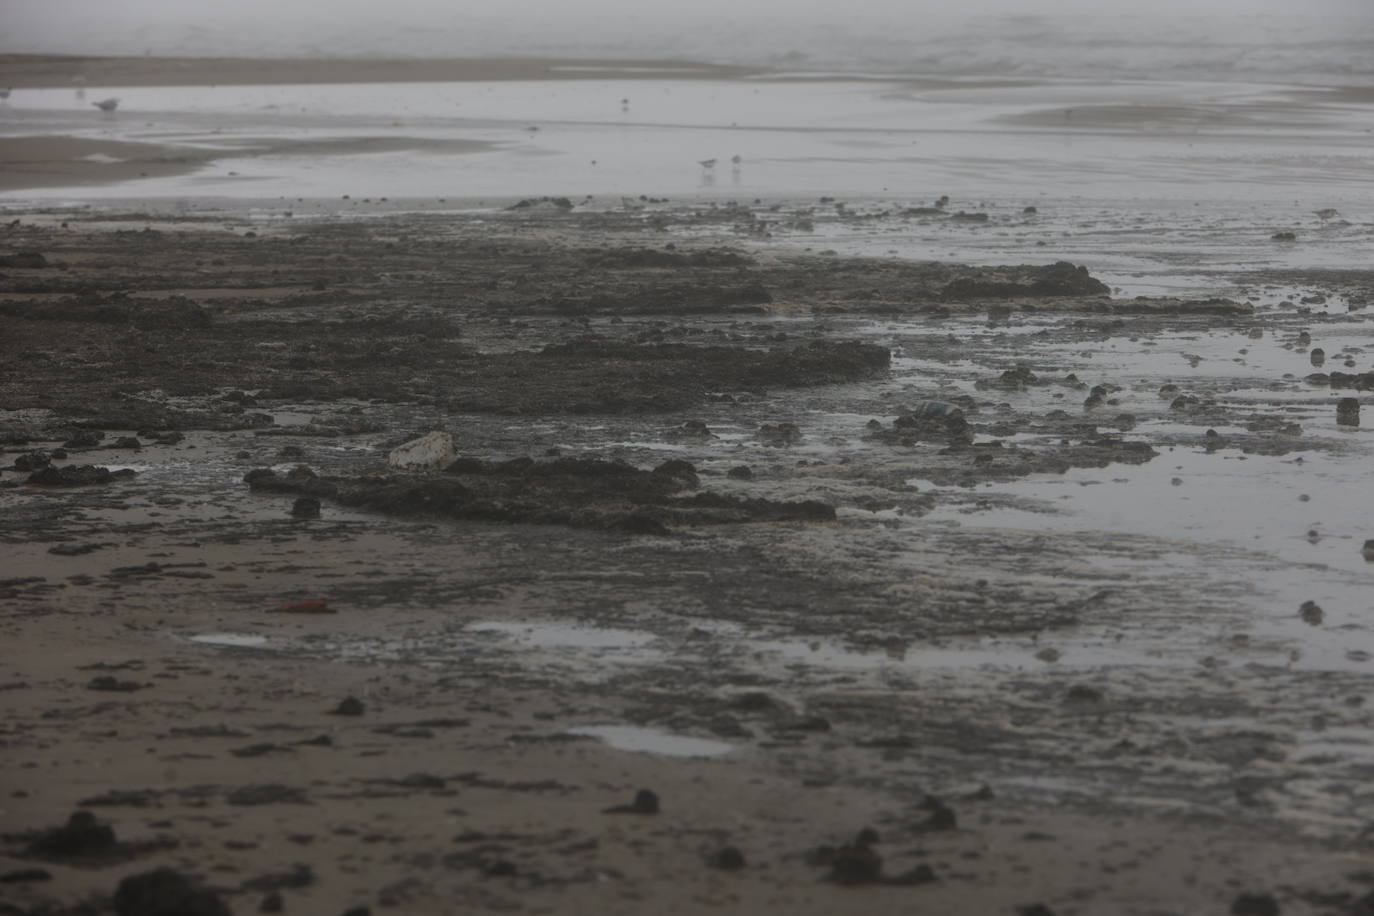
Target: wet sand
x: 1095, y: 722
x: 38, y: 162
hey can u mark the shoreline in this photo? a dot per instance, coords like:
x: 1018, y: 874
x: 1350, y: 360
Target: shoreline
x: 54, y: 71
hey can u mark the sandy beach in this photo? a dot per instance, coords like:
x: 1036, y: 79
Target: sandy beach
x: 794, y: 554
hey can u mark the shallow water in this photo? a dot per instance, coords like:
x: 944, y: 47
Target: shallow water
x: 874, y: 138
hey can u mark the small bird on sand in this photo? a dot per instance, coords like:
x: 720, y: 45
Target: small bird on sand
x: 1327, y: 213
x: 107, y: 105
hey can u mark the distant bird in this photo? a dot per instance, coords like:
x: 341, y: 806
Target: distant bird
x: 707, y: 164
x: 5, y: 93
x: 1327, y: 213
x: 107, y: 105
x: 735, y: 160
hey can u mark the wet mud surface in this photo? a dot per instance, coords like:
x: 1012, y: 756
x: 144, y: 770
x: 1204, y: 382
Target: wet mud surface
x: 806, y: 543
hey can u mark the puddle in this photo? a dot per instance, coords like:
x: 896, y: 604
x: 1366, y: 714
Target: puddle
x: 236, y: 640
x: 653, y: 741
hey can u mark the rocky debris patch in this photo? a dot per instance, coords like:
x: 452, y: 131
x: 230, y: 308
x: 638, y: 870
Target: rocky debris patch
x: 82, y: 835
x: 27, y: 260
x: 175, y: 313
x: 683, y: 299
x: 580, y: 492
x: 1058, y: 279
x: 557, y: 204
x: 667, y: 258
x: 77, y: 475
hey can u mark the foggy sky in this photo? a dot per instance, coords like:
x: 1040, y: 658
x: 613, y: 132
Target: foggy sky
x: 736, y: 30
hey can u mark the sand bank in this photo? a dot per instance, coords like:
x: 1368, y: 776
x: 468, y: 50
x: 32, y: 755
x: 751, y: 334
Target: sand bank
x: 45, y: 162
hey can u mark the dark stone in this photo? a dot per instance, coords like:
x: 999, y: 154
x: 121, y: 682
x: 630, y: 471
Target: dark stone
x: 1347, y: 412
x: 165, y: 892
x: 350, y: 706
x: 1311, y: 613
x: 727, y: 859
x: 306, y: 507
x: 25, y: 875
x: 645, y: 802
x: 1034, y: 909
x: 74, y: 550
x: 1255, y: 905
x: 501, y: 868
x: 272, y: 903
x: 127, y: 442
x: 740, y: 472
x: 82, y: 835
x: 114, y: 685
x: 299, y: 876
x: 267, y: 794
x: 1082, y: 693
x: 1284, y: 237
x: 73, y: 475
x: 29, y: 260
x: 852, y: 865
x: 779, y: 435
x: 33, y: 461
x: 942, y: 816
x: 918, y: 874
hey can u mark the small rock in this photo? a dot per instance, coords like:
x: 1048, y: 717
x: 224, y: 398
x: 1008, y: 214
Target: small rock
x: 1318, y: 356
x: 82, y: 835
x: 942, y: 816
x: 272, y: 903
x: 350, y: 706
x: 429, y: 452
x: 114, y: 685
x: 1311, y: 613
x: 306, y: 507
x: 740, y: 472
x: 1348, y: 412
x: 1083, y: 694
x: 1255, y: 905
x: 1034, y: 909
x: 165, y: 892
x: 266, y: 794
x: 918, y: 874
x: 851, y: 865
x: 646, y: 802
x: 306, y: 606
x: 25, y: 875
x: 727, y: 859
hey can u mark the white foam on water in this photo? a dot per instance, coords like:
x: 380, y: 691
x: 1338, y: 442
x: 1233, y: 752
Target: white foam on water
x: 234, y: 640
x: 653, y: 741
